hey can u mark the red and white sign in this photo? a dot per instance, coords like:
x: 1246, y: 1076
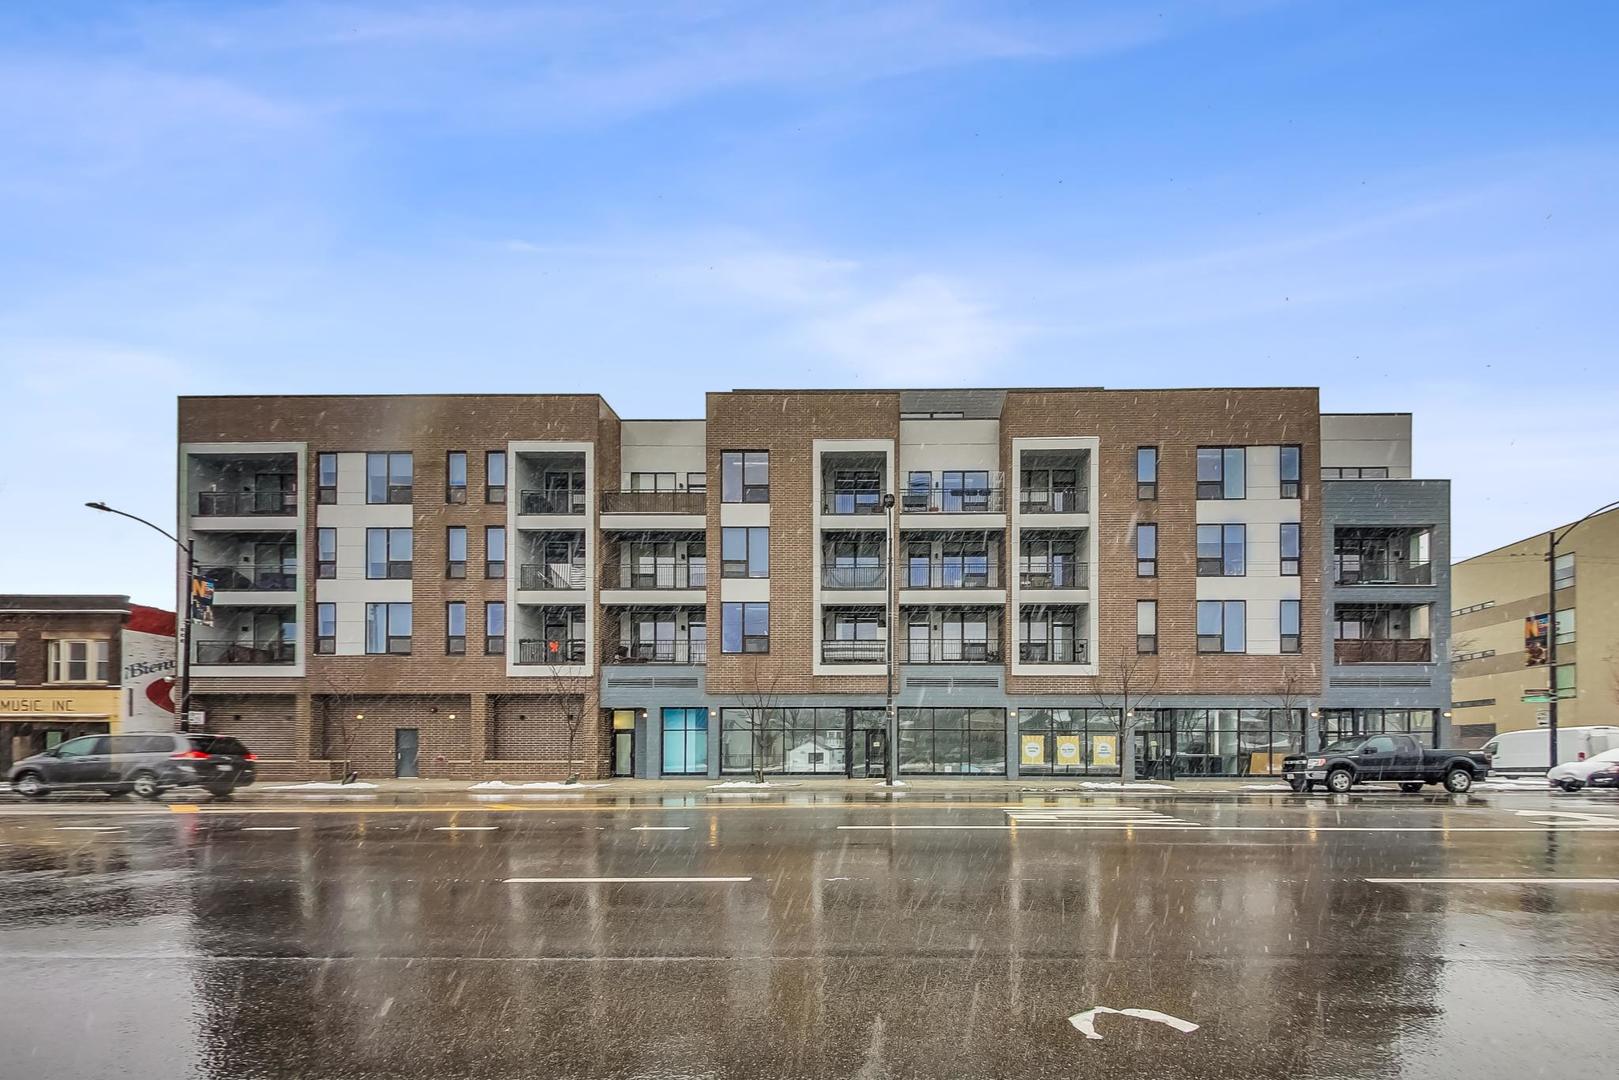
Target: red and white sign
x: 149, y: 670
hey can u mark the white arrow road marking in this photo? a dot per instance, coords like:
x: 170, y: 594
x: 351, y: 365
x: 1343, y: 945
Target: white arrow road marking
x: 1086, y: 1021
x: 1114, y: 817
x: 466, y: 828
x: 1566, y: 817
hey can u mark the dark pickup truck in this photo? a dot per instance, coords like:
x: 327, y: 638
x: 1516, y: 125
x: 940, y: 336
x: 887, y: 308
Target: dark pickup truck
x: 1398, y: 758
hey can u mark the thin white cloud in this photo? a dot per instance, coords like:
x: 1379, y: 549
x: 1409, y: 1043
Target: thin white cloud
x: 923, y: 330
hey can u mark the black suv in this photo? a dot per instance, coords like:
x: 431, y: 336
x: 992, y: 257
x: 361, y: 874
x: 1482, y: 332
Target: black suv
x: 144, y: 764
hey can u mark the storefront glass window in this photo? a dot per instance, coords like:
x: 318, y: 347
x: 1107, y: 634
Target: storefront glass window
x: 952, y: 741
x: 685, y: 742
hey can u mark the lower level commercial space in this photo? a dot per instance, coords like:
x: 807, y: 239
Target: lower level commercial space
x: 1009, y: 740
x: 35, y: 720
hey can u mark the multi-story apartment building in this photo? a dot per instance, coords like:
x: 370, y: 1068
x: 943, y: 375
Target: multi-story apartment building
x: 1500, y: 643
x: 522, y: 586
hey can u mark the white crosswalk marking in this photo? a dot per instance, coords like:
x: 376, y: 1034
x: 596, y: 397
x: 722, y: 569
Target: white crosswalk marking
x: 1116, y: 817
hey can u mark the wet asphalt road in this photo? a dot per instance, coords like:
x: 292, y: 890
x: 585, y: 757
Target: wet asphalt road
x: 385, y: 938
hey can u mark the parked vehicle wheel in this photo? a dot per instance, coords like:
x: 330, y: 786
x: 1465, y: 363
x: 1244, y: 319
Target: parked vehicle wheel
x: 1458, y: 780
x: 219, y: 791
x: 1340, y: 781
x: 1571, y: 785
x: 1411, y: 788
x: 30, y: 785
x: 146, y: 786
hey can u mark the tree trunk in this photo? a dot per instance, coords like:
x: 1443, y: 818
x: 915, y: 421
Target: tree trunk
x: 1127, y: 754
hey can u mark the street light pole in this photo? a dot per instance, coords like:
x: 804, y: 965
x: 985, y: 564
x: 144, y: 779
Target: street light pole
x: 1553, y: 538
x: 890, y: 714
x: 182, y: 618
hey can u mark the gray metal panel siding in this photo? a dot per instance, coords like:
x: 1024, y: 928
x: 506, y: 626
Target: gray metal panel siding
x: 1389, y: 502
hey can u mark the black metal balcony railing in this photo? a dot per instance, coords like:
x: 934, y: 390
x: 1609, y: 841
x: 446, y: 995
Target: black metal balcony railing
x: 863, y: 576
x: 677, y: 651
x: 246, y: 503
x: 234, y: 578
x: 654, y: 502
x: 1047, y: 574
x: 852, y: 652
x: 1061, y: 500
x: 656, y: 574
x: 953, y: 500
x: 1382, y: 651
x: 949, y: 651
x: 245, y: 652
x: 861, y: 501
x: 951, y: 574
x: 1053, y: 652
x: 1363, y: 571
x: 551, y: 502
x: 551, y: 576
x: 551, y: 651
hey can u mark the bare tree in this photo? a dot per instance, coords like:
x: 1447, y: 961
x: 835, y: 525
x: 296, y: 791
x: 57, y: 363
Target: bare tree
x: 1131, y: 679
x: 1292, y: 695
x: 338, y: 709
x: 564, y: 689
x: 760, y: 695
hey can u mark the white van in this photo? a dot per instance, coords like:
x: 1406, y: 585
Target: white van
x: 1526, y: 750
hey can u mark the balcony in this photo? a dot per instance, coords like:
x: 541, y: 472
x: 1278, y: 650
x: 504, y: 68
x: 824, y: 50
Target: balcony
x: 1382, y: 651
x: 656, y: 574
x: 676, y: 651
x: 1054, y: 652
x: 953, y: 500
x: 852, y: 501
x: 549, y: 651
x: 965, y: 572
x: 274, y: 503
x: 853, y: 576
x: 941, y: 650
x: 1065, y: 499
x: 1043, y: 573
x: 1350, y: 569
x: 853, y: 652
x: 235, y: 578
x: 551, y: 502
x: 654, y: 502
x: 568, y: 576
x: 245, y: 653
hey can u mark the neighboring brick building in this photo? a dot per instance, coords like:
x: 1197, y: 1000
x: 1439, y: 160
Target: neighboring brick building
x: 447, y: 585
x: 59, y: 664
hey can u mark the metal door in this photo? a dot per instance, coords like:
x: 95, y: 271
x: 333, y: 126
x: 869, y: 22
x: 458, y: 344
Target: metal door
x: 868, y: 754
x: 407, y: 741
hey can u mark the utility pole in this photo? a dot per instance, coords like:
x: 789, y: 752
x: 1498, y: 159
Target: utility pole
x: 890, y: 713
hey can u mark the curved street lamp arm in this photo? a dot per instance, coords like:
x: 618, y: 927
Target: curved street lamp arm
x: 104, y: 508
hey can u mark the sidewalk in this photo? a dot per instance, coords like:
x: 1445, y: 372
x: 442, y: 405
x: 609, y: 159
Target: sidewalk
x: 783, y: 785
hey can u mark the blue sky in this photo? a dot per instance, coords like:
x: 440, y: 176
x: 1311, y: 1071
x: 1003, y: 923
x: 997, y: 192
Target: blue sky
x: 1412, y: 206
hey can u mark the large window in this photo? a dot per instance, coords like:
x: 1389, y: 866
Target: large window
x: 387, y: 629
x: 494, y: 471
x: 745, y: 628
x: 1146, y: 627
x: 1146, y: 472
x: 1290, y: 548
x: 1049, y: 635
x: 1290, y: 626
x: 72, y: 661
x: 652, y: 481
x: 455, y: 476
x: 1222, y: 626
x: 1068, y: 742
x: 952, y: 741
x: 494, y: 627
x: 455, y: 627
x: 8, y: 660
x: 326, y: 628
x: 326, y: 553
x: 1217, y: 742
x: 388, y: 553
x: 852, y: 562
x: 745, y: 476
x: 1222, y: 550
x: 784, y: 740
x: 455, y: 551
x: 744, y: 552
x: 963, y: 491
x: 389, y: 478
x: 1146, y: 550
x: 1563, y: 572
x: 1350, y: 723
x: 1289, y: 462
x: 1222, y: 472
x: 326, y: 478
x: 494, y: 551
x: 685, y: 742
x: 1563, y: 680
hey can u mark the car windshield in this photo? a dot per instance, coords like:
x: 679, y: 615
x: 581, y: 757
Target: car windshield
x: 1343, y: 746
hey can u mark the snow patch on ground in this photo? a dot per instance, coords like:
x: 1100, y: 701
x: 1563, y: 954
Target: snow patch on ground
x: 1134, y: 785
x: 324, y: 785
x: 537, y: 785
x: 1514, y: 783
x: 1266, y: 787
x: 746, y: 784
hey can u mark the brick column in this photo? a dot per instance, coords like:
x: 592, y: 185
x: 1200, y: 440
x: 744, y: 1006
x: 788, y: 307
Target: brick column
x: 478, y: 730
x: 303, y: 728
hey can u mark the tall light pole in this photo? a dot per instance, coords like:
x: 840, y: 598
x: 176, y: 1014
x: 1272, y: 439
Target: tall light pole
x: 1553, y: 538
x: 890, y: 713
x: 182, y: 618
